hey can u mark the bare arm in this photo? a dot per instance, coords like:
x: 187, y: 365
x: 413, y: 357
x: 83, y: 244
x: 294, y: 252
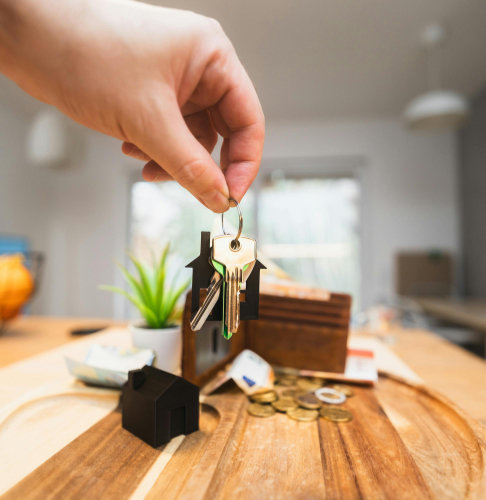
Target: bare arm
x: 163, y: 81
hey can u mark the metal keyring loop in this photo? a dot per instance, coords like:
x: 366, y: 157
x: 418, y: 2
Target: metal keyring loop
x: 240, y: 219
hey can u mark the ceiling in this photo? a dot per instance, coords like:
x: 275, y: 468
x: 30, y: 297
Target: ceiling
x: 318, y: 59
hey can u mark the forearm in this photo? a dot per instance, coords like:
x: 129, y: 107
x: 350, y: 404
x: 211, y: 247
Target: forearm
x: 57, y: 50
x: 33, y: 43
x: 164, y: 81
x: 10, y: 34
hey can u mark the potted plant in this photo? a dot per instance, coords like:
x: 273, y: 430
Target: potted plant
x: 157, y: 300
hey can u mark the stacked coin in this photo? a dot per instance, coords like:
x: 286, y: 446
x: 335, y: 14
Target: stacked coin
x: 347, y: 391
x: 283, y: 405
x: 297, y: 401
x: 307, y: 384
x: 335, y: 414
x: 261, y: 410
x: 264, y: 397
x: 287, y: 380
x: 303, y: 415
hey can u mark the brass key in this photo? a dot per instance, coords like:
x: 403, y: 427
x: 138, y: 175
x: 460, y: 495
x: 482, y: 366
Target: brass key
x: 210, y: 301
x: 238, y: 257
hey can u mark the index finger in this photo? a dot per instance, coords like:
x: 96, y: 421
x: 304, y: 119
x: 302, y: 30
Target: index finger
x: 239, y: 118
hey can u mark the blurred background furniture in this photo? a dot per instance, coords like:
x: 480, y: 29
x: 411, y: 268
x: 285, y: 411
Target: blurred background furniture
x: 425, y: 285
x: 422, y: 273
x: 462, y: 321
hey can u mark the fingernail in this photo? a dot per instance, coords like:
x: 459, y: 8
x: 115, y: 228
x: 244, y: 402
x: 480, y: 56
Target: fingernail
x: 216, y: 201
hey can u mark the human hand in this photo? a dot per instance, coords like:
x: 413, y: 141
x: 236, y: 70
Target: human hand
x: 164, y: 81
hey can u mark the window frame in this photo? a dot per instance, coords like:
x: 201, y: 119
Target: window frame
x: 317, y: 167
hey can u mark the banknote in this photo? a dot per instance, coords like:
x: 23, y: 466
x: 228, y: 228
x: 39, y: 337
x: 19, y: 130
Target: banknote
x: 108, y: 365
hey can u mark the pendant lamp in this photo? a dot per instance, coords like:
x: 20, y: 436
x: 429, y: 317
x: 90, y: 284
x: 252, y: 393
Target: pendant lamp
x: 437, y: 109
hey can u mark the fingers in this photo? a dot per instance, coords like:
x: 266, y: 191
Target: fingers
x: 155, y: 173
x: 202, y: 129
x: 238, y: 117
x: 131, y: 150
x: 151, y: 171
x: 169, y: 142
x: 199, y: 124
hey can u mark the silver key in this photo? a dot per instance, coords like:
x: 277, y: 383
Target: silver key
x: 210, y: 301
x: 235, y: 259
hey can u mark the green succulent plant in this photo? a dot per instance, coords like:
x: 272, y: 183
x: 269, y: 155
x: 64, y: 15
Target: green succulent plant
x: 155, y: 298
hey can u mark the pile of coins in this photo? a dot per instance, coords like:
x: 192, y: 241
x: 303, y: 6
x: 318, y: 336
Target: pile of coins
x: 296, y: 397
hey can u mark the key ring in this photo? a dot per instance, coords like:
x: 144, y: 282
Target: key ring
x: 235, y: 244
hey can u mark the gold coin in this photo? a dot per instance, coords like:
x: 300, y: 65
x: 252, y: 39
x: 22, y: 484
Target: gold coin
x: 303, y: 415
x: 336, y: 397
x: 308, y: 401
x: 287, y: 380
x: 258, y: 410
x: 291, y: 393
x: 343, y: 389
x: 336, y: 414
x: 264, y: 397
x: 307, y: 384
x: 285, y: 404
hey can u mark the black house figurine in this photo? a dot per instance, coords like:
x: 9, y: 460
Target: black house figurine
x: 202, y: 271
x: 157, y: 406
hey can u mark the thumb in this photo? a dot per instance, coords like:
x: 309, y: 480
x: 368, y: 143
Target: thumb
x: 170, y: 143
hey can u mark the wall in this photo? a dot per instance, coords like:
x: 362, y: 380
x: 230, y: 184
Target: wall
x: 24, y: 190
x: 410, y: 187
x: 87, y: 229
x: 473, y: 189
x: 78, y: 215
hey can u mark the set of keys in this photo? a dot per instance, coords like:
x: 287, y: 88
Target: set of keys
x: 232, y: 258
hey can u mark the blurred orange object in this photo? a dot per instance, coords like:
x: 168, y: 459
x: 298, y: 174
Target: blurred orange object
x: 16, y: 285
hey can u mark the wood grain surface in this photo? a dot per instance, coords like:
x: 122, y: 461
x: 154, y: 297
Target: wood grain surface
x: 104, y: 461
x: 404, y: 442
x: 469, y: 312
x: 30, y: 335
x: 441, y: 365
x: 446, y: 445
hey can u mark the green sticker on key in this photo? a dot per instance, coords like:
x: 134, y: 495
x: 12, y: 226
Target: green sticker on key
x: 221, y: 270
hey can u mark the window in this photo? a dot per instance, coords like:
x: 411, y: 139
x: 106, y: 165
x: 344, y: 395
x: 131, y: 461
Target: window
x: 309, y: 227
x: 165, y: 212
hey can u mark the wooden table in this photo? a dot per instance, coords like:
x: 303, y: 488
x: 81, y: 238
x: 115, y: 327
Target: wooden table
x: 469, y: 312
x: 80, y: 448
x: 452, y: 371
x: 30, y: 335
x: 465, y: 312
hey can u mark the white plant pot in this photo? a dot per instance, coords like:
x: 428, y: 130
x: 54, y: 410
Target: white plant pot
x: 165, y: 342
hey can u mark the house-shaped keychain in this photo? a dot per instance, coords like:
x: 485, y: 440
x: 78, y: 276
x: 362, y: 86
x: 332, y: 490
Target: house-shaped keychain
x: 157, y: 406
x: 202, y: 271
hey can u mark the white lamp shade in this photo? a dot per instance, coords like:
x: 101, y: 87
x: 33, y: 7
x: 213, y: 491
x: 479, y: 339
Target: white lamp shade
x: 438, y: 109
x: 48, y: 139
